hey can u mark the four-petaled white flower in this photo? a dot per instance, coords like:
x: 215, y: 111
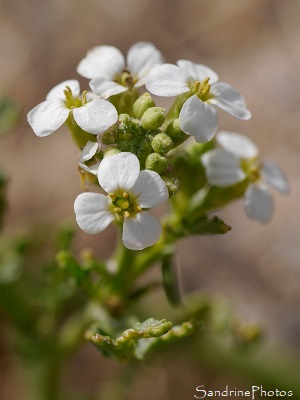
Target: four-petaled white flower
x: 92, y: 114
x: 130, y: 191
x: 238, y: 160
x: 197, y: 117
x: 110, y: 74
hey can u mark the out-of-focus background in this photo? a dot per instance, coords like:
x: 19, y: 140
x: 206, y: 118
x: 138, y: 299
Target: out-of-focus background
x: 253, y: 45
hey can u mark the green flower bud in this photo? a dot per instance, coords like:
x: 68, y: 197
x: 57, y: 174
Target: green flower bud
x: 162, y: 143
x: 109, y: 137
x: 175, y: 133
x: 128, y: 124
x: 142, y: 104
x: 153, y: 117
x: 172, y: 183
x: 111, y: 151
x: 156, y: 162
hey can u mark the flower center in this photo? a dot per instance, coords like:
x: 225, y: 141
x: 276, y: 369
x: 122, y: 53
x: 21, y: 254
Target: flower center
x: 74, y: 102
x: 251, y: 168
x: 124, y: 205
x: 201, y: 89
x: 126, y: 79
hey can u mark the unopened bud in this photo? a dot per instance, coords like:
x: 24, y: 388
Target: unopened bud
x: 162, y: 143
x: 110, y: 151
x: 172, y: 183
x: 175, y: 133
x: 153, y: 117
x: 108, y: 138
x: 142, y: 104
x: 156, y: 162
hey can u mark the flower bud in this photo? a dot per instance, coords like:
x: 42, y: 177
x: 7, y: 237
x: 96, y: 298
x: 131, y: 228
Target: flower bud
x: 172, y: 183
x: 128, y: 124
x: 111, y: 151
x: 153, y: 117
x: 175, y: 133
x: 108, y: 138
x: 142, y: 104
x: 162, y: 143
x: 156, y: 162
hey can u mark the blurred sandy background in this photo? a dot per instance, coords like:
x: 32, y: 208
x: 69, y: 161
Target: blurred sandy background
x: 253, y: 45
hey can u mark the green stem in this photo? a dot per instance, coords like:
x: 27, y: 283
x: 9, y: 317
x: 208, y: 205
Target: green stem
x: 175, y: 109
x: 79, y: 136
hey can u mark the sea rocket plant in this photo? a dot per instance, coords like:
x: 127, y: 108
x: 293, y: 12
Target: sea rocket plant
x: 136, y: 150
x: 238, y: 160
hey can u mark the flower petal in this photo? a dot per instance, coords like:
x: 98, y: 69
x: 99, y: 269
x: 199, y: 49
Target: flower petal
x: 92, y: 213
x: 118, y: 171
x: 258, y: 203
x: 58, y: 91
x: 92, y: 169
x: 167, y: 80
x: 106, y: 88
x: 89, y: 150
x: 275, y: 177
x: 141, y: 58
x: 222, y: 168
x: 102, y: 61
x: 142, y: 231
x: 96, y: 116
x: 150, y: 189
x: 47, y: 117
x: 237, y: 144
x: 198, y: 72
x: 230, y: 100
x: 198, y: 119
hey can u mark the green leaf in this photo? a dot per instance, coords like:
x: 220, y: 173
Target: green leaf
x: 170, y: 281
x: 125, y: 345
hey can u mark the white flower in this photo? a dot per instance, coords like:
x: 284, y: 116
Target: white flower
x: 92, y: 114
x: 87, y: 153
x: 238, y: 160
x: 198, y: 117
x: 129, y: 192
x: 110, y: 74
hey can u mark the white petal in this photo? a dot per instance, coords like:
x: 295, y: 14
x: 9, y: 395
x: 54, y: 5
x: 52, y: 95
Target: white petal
x: 95, y: 116
x: 92, y: 169
x: 106, y: 88
x: 230, y: 100
x: 258, y: 203
x: 118, y: 171
x: 237, y: 144
x: 142, y: 231
x: 47, y: 117
x: 167, y: 80
x: 198, y: 119
x: 88, y: 152
x: 58, y: 91
x: 141, y: 58
x: 222, y: 168
x: 102, y: 61
x: 198, y: 72
x: 92, y: 212
x: 150, y: 189
x: 275, y: 177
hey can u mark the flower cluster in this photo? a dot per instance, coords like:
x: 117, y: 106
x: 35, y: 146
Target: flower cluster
x: 129, y: 146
